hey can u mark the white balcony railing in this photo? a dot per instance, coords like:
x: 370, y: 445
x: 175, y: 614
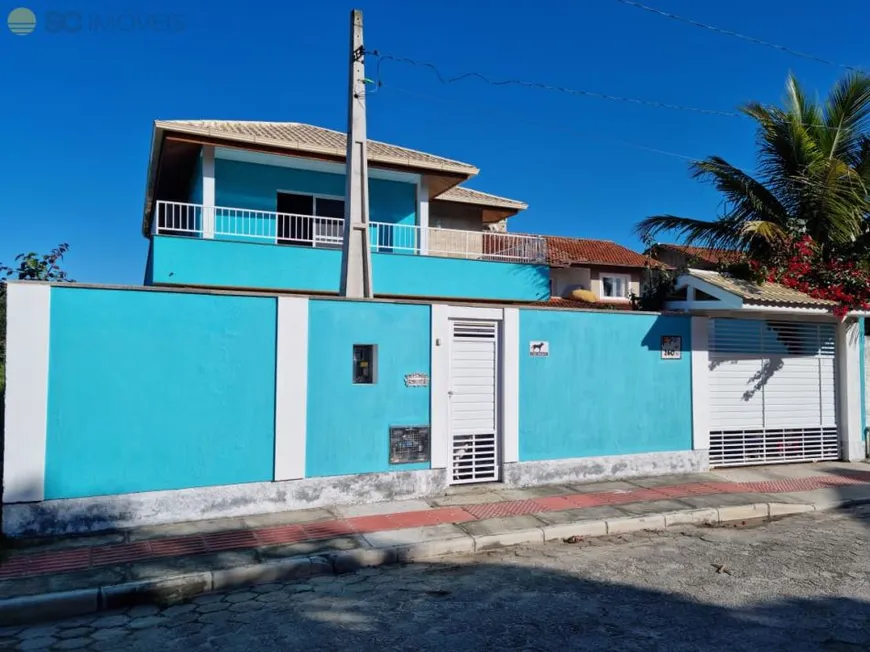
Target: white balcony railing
x: 195, y: 220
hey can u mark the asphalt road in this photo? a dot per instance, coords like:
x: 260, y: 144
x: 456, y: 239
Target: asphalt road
x: 796, y: 584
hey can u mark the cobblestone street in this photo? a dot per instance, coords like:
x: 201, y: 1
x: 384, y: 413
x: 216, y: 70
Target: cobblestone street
x: 796, y: 584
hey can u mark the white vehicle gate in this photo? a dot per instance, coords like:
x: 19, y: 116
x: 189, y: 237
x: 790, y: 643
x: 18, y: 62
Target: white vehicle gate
x: 772, y: 392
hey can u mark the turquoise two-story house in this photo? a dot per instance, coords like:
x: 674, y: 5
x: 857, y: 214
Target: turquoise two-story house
x: 260, y: 205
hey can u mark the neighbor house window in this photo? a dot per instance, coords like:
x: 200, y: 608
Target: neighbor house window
x: 298, y: 223
x: 614, y: 287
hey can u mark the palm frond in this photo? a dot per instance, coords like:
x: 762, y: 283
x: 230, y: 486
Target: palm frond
x: 860, y: 161
x: 836, y: 202
x: 718, y: 234
x: 812, y: 177
x: 767, y: 232
x: 786, y: 146
x: 748, y: 198
x: 847, y: 116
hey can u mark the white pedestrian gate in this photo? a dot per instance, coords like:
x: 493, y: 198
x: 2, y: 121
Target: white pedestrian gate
x: 473, y: 399
x: 772, y: 392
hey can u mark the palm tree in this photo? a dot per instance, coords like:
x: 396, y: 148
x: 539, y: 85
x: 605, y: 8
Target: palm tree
x: 812, y: 177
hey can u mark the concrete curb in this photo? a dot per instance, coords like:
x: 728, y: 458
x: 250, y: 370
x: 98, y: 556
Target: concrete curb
x: 181, y: 588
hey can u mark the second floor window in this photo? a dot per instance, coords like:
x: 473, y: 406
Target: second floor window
x: 298, y: 223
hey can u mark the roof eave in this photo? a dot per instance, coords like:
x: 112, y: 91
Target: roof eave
x: 297, y: 146
x: 150, y: 178
x: 587, y: 263
x: 821, y: 308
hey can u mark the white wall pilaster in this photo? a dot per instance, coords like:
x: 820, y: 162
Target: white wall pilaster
x: 700, y: 383
x: 439, y: 385
x: 291, y: 388
x: 849, y: 390
x: 28, y: 314
x: 510, y: 394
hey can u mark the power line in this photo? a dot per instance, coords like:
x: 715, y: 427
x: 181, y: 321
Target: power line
x: 445, y: 79
x: 548, y: 125
x: 557, y: 127
x: 743, y: 37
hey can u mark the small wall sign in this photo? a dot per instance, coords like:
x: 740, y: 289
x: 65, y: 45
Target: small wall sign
x: 672, y: 347
x: 417, y: 380
x: 539, y: 348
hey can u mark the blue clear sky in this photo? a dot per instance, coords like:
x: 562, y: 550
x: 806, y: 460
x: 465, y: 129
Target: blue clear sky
x: 78, y: 107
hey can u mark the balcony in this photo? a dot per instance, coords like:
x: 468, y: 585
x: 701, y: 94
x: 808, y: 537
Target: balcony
x: 237, y: 248
x: 244, y: 225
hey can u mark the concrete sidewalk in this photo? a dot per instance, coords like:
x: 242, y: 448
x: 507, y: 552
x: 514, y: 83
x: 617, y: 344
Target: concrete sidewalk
x: 172, y: 563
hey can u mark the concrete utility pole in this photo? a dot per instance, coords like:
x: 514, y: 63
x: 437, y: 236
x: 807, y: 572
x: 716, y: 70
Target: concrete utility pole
x: 356, y: 257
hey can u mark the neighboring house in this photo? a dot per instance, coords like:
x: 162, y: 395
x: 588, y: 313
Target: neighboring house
x: 611, y: 272
x: 260, y: 205
x: 682, y: 256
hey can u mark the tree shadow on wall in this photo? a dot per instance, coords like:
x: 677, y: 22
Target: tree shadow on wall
x: 532, y: 277
x: 760, y: 378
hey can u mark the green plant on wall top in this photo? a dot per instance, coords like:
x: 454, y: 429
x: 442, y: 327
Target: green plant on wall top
x: 28, y: 267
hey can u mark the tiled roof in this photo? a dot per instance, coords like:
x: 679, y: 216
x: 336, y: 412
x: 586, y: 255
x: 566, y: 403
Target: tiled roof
x: 574, y: 251
x: 766, y: 294
x: 707, y: 255
x: 600, y: 304
x: 308, y: 138
x: 469, y: 196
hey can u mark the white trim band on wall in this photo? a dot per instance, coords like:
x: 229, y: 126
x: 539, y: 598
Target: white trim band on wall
x: 28, y: 315
x: 291, y: 388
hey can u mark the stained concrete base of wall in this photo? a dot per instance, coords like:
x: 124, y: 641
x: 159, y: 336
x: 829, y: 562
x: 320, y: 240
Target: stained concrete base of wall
x: 611, y: 467
x: 100, y: 513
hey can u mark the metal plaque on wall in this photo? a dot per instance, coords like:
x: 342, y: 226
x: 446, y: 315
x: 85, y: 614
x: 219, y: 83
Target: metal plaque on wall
x: 417, y: 380
x: 672, y: 347
x: 409, y: 444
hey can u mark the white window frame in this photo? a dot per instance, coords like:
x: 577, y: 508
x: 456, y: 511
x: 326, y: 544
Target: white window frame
x: 626, y: 280
x: 323, y: 241
x: 314, y: 196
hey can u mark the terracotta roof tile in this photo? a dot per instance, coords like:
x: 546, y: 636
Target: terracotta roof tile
x: 709, y: 255
x: 576, y: 251
x: 600, y: 304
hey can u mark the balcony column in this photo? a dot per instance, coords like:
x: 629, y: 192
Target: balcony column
x: 423, y: 215
x: 208, y: 201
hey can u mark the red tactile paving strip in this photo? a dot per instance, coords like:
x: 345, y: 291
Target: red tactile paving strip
x: 65, y: 561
